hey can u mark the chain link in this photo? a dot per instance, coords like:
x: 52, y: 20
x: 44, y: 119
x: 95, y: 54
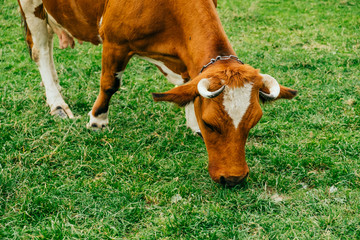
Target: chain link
x: 213, y: 60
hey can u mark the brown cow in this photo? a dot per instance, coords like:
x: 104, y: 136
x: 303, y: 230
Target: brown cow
x: 186, y: 41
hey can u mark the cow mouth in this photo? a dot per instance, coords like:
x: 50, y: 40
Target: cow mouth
x: 233, y: 181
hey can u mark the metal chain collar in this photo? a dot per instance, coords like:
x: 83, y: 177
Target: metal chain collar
x: 213, y: 60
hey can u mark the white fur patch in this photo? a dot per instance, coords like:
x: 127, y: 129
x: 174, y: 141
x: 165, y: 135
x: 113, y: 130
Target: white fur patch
x: 118, y: 75
x: 100, y: 39
x: 100, y: 120
x: 174, y: 78
x: 191, y: 121
x: 236, y: 102
x: 100, y: 22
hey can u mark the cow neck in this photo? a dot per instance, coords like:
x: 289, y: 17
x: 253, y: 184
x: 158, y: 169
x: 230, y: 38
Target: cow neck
x: 203, y: 36
x: 202, y: 51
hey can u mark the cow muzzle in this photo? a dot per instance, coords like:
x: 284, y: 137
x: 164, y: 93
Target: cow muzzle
x: 232, y: 181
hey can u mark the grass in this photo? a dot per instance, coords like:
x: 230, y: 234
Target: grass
x: 146, y: 176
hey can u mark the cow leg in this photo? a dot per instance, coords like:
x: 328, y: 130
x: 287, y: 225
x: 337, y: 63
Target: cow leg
x: 42, y: 55
x: 114, y: 60
x: 51, y: 53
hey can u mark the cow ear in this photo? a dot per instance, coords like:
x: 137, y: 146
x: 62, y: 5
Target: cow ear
x: 272, y: 90
x: 286, y: 93
x: 181, y: 95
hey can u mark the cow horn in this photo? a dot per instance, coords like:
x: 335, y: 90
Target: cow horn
x: 203, y: 87
x: 272, y: 85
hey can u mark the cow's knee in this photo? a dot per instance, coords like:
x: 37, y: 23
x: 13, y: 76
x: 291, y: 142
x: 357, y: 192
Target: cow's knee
x: 112, y: 88
x: 110, y: 84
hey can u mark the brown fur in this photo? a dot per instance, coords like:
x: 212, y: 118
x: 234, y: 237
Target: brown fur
x: 40, y: 12
x: 81, y: 17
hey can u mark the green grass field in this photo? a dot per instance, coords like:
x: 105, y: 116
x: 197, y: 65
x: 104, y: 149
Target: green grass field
x: 146, y: 177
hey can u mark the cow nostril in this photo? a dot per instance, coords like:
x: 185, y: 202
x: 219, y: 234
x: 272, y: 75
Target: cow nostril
x: 232, y: 181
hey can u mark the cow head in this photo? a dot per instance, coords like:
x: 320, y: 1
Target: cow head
x: 226, y: 103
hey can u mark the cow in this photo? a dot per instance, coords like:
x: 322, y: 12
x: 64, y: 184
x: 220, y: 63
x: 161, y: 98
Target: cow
x: 186, y: 41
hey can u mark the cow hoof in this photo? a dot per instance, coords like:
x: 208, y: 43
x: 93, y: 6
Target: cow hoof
x: 62, y: 112
x: 59, y: 112
x: 99, y: 122
x: 95, y: 126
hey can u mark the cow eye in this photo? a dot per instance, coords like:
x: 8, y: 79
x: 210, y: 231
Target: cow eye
x: 211, y: 127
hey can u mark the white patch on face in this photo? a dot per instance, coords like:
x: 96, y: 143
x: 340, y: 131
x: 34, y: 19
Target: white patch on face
x: 174, y: 78
x: 191, y: 121
x: 236, y: 102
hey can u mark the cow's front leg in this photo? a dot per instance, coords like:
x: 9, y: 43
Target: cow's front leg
x: 114, y: 60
